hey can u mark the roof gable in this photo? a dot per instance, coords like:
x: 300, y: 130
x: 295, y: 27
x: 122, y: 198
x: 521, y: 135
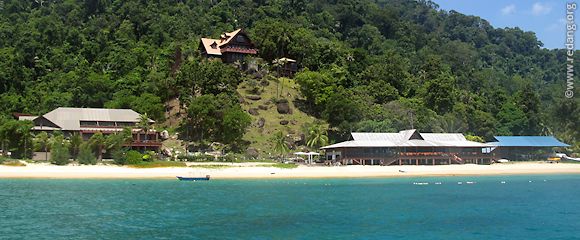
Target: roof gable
x: 411, y: 134
x: 213, y: 46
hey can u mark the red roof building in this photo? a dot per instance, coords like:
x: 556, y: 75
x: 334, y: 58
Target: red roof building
x: 230, y: 47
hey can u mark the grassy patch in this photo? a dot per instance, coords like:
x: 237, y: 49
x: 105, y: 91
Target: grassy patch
x: 259, y: 138
x: 285, y: 165
x: 570, y: 161
x: 211, y: 166
x: 158, y: 164
x: 14, y: 164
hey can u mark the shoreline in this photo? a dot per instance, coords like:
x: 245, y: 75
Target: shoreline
x: 253, y: 171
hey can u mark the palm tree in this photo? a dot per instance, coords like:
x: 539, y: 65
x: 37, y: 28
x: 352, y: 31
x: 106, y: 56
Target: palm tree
x: 316, y: 136
x: 144, y: 125
x: 42, y: 141
x: 449, y: 123
x: 115, y: 141
x: 75, y: 142
x: 98, y: 141
x: 279, y: 64
x: 23, y: 130
x: 280, y: 146
x: 3, y: 139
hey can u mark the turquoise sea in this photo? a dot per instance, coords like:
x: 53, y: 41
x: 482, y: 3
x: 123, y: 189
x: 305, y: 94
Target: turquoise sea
x: 524, y: 207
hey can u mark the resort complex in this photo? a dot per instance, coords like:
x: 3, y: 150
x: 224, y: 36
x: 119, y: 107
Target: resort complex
x: 410, y: 147
x: 88, y: 121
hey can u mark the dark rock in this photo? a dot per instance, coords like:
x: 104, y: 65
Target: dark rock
x: 283, y: 107
x: 253, y: 111
x: 264, y: 82
x: 284, y: 122
x: 253, y: 97
x: 293, y: 122
x: 263, y: 107
x: 261, y: 122
x: 252, y: 152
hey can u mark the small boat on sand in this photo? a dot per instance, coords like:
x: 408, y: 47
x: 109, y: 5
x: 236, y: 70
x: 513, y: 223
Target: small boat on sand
x: 206, y: 178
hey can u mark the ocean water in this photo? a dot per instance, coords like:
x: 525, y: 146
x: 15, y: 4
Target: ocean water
x: 524, y: 207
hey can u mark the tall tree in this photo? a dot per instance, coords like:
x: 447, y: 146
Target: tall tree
x: 59, y: 153
x: 75, y: 143
x: 144, y: 125
x: 98, y: 141
x: 316, y: 136
x: 42, y: 141
x: 280, y: 144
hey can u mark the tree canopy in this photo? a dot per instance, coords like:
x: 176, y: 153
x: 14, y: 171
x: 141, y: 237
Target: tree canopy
x: 364, y: 62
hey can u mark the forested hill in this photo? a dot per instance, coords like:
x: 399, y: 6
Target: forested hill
x: 367, y: 65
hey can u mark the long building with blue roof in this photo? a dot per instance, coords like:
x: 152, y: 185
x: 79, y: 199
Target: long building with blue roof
x: 525, y: 147
x: 527, y: 141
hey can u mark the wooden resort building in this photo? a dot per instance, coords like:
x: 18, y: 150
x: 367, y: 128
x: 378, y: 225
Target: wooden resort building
x: 230, y: 47
x: 286, y: 67
x: 408, y: 147
x: 88, y: 121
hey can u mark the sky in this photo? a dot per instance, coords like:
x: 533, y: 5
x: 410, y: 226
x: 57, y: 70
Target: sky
x: 546, y: 18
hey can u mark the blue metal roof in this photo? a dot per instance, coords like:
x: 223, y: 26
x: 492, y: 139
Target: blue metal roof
x: 528, y: 141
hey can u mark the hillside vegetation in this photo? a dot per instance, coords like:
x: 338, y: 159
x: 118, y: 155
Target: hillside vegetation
x: 367, y: 65
x: 268, y: 120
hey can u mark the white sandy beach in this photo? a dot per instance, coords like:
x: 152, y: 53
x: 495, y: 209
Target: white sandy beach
x: 257, y: 170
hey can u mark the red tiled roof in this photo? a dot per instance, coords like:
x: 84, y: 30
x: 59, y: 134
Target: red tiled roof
x: 225, y: 38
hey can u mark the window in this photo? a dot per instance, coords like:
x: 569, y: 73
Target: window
x: 240, y: 38
x: 107, y: 124
x: 88, y: 123
x: 125, y: 124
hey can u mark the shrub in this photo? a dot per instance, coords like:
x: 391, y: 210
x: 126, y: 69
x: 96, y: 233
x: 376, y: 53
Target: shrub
x: 85, y: 155
x: 158, y: 164
x: 150, y: 156
x: 14, y: 163
x: 59, y: 154
x: 196, y: 158
x: 285, y: 165
x: 134, y: 157
x: 120, y: 156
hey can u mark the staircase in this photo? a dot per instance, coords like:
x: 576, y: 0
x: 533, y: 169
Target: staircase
x: 457, y: 159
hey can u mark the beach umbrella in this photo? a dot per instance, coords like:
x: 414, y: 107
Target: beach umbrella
x: 300, y: 153
x: 310, y: 154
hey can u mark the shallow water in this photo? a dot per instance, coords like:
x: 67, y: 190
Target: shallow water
x: 548, y: 207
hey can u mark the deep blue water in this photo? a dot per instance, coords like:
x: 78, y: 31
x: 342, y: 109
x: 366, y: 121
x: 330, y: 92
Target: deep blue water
x: 293, y: 209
